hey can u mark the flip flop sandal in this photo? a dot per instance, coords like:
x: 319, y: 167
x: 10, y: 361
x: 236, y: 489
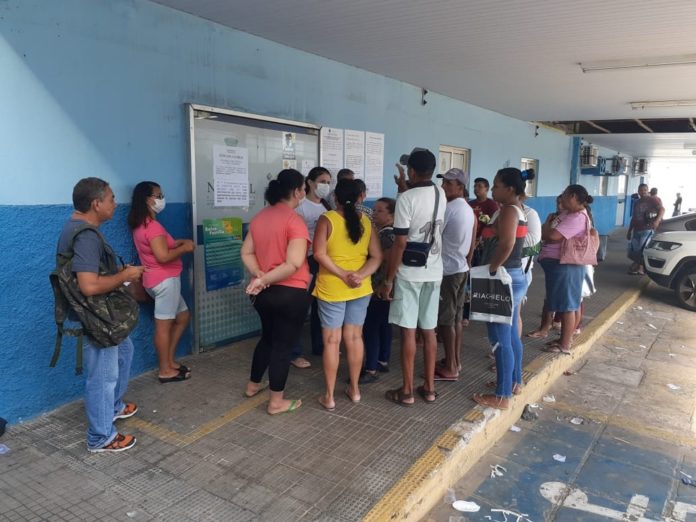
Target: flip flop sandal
x: 536, y: 334
x: 350, y: 397
x: 398, y: 397
x: 294, y: 406
x: 179, y: 377
x: 327, y: 408
x: 301, y: 363
x: 555, y: 348
x: 490, y: 401
x: 183, y: 369
x: 426, y: 393
x: 439, y: 376
x: 262, y: 387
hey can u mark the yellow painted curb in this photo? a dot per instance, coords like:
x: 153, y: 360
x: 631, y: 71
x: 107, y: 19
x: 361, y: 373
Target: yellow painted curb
x: 461, y: 445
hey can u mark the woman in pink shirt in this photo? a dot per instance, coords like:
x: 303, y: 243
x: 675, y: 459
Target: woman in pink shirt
x: 275, y: 254
x: 160, y: 254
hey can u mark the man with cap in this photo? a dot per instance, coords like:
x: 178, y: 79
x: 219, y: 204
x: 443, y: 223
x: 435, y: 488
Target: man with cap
x: 458, y: 243
x: 416, y: 289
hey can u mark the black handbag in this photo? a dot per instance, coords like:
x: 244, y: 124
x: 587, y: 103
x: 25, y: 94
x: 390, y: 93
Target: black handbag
x: 416, y: 253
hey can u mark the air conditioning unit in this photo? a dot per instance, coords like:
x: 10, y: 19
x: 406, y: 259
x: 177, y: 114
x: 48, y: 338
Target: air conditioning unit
x: 619, y: 165
x: 641, y: 166
x: 588, y: 156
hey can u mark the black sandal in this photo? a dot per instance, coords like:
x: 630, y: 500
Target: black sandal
x: 177, y: 378
x: 398, y: 397
x: 427, y: 393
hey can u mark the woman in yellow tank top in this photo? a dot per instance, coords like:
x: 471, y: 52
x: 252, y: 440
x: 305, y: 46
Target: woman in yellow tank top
x: 348, y: 253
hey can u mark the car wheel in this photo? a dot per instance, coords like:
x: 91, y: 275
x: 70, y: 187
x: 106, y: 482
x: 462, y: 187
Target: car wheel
x: 685, y: 289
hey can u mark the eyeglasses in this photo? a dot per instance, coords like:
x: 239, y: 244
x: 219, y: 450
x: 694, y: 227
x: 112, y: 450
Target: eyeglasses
x: 158, y: 196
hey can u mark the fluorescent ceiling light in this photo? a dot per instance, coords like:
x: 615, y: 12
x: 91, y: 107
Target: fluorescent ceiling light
x: 638, y: 63
x: 661, y: 103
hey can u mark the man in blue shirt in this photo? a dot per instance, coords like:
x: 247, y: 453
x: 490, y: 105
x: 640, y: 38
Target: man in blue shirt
x: 107, y: 370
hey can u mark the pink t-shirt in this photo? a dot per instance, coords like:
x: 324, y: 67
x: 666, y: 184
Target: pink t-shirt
x: 155, y: 272
x: 272, y: 229
x: 569, y: 224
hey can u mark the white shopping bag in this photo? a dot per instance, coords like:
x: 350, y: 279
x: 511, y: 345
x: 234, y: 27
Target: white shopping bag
x: 491, y: 295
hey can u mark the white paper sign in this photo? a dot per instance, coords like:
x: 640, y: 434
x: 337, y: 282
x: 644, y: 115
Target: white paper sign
x: 331, y: 149
x: 307, y: 165
x: 354, y: 157
x: 231, y: 176
x: 374, y: 163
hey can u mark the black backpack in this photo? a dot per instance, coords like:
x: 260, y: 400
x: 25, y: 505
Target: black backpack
x: 106, y: 319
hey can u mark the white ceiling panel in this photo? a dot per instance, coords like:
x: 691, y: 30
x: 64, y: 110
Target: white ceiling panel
x: 515, y: 57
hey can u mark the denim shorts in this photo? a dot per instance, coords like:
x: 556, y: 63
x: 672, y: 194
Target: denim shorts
x: 168, y: 300
x: 335, y: 315
x: 415, y: 304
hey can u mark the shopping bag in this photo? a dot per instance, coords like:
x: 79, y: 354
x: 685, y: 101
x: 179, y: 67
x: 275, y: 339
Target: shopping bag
x: 491, y: 295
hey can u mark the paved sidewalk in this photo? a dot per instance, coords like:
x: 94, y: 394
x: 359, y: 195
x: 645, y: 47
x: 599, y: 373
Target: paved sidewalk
x: 206, y: 453
x: 622, y: 423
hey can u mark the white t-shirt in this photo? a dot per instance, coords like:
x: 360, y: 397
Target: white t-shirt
x: 456, y: 236
x: 533, y: 232
x: 310, y: 212
x: 413, y: 218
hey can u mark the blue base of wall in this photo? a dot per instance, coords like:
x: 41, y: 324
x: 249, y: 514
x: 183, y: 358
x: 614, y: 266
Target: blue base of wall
x: 27, y: 385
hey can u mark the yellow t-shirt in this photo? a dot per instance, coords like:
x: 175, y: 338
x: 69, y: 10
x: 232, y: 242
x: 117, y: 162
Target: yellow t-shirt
x: 347, y: 255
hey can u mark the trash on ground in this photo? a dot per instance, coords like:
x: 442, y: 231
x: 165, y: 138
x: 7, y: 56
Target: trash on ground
x: 534, y: 405
x: 4, y: 449
x: 619, y: 322
x: 685, y: 474
x: 642, y: 346
x: 559, y: 458
x: 516, y: 429
x: 672, y: 354
x: 131, y: 514
x: 689, y: 481
x: 515, y: 517
x: 529, y: 413
x: 466, y: 506
x: 652, y: 326
x: 620, y: 348
x: 637, y: 307
x: 568, y: 372
x: 673, y: 386
x: 549, y: 398
x: 497, y: 471
x: 577, y: 421
x: 450, y: 496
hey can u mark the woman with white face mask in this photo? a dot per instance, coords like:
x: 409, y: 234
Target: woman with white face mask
x: 318, y: 188
x: 161, y: 256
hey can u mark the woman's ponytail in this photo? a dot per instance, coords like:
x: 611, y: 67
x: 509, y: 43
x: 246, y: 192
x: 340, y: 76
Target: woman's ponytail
x: 347, y: 193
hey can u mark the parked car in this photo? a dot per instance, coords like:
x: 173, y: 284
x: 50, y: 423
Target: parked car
x: 682, y: 222
x: 670, y: 261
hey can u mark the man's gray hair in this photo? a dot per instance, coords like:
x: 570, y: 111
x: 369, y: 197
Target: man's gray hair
x: 86, y: 191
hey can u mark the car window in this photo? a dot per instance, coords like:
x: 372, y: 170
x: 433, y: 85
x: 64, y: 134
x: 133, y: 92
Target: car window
x: 690, y: 225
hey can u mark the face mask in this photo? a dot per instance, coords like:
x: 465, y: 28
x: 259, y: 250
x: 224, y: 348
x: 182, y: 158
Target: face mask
x: 323, y: 190
x: 158, y: 205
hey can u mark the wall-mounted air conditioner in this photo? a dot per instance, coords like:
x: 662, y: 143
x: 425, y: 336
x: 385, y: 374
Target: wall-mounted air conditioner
x: 619, y: 165
x: 588, y: 156
x: 641, y: 166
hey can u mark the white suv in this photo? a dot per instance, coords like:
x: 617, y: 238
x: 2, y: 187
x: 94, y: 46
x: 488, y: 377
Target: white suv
x: 670, y: 261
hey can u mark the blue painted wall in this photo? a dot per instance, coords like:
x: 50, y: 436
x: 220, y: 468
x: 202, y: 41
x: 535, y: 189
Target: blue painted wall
x: 603, y: 210
x: 97, y: 88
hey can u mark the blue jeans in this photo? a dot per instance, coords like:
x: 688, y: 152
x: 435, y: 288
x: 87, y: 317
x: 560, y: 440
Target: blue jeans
x: 107, y: 371
x: 377, y: 333
x: 508, y: 354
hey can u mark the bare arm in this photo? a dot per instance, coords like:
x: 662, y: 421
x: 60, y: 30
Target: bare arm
x: 91, y: 283
x: 374, y: 257
x: 507, y: 226
x: 249, y: 257
x: 165, y: 255
x: 658, y: 219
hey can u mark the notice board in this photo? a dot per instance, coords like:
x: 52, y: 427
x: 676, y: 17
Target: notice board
x: 234, y: 155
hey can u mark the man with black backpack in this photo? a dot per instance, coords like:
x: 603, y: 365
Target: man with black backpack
x: 91, y: 285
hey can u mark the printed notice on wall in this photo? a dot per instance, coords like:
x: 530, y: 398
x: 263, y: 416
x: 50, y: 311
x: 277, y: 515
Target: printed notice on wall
x: 331, y: 149
x: 231, y: 176
x: 222, y: 240
x: 374, y: 163
x: 354, y: 157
